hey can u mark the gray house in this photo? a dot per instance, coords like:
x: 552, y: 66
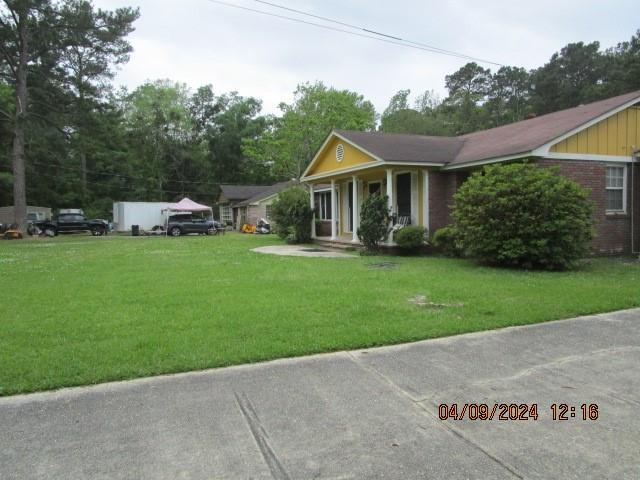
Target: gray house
x: 240, y: 204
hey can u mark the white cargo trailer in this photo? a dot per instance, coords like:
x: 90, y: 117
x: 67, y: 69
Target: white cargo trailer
x: 144, y: 214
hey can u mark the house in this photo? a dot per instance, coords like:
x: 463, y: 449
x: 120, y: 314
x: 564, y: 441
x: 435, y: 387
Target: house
x: 597, y: 145
x: 240, y: 204
x: 7, y: 214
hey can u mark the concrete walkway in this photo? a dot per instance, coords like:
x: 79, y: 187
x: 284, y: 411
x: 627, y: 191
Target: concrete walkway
x: 302, y: 251
x: 363, y: 414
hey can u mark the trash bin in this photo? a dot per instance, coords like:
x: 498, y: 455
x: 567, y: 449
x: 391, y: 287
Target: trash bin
x: 135, y: 230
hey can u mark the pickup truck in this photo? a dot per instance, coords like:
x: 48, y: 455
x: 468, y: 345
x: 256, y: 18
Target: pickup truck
x: 71, y: 222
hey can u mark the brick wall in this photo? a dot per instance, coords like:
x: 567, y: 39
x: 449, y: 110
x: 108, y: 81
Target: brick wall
x: 613, y: 231
x: 442, y: 187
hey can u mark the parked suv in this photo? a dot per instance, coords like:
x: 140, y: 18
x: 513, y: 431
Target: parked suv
x: 188, y: 223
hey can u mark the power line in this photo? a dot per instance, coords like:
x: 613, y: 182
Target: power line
x: 394, y: 37
x: 375, y: 35
x: 118, y: 175
x: 122, y: 187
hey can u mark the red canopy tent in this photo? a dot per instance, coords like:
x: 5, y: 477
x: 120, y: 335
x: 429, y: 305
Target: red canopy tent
x: 184, y: 205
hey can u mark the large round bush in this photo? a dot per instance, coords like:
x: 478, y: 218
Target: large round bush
x: 524, y: 216
x: 292, y: 214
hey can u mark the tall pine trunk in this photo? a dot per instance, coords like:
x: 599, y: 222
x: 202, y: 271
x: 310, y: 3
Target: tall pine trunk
x: 18, y: 156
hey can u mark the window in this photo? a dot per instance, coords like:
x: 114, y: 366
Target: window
x: 403, y: 194
x: 225, y: 214
x: 616, y: 183
x: 323, y: 205
x: 267, y: 211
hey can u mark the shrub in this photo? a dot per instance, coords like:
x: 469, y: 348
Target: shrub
x: 374, y: 222
x: 520, y: 215
x: 446, y: 240
x: 292, y: 215
x: 410, y: 238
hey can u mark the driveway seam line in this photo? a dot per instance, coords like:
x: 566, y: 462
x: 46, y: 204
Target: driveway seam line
x: 260, y: 436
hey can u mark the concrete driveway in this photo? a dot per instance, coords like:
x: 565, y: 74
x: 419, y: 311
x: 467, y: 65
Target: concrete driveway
x: 363, y: 414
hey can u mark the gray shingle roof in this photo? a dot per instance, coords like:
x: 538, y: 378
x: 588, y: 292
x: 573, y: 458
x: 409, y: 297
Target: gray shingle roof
x: 511, y: 139
x: 267, y: 192
x: 237, y: 193
x: 404, y: 147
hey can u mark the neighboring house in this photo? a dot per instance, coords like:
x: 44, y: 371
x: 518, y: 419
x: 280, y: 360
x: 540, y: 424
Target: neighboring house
x: 597, y: 145
x: 7, y: 214
x: 240, y: 204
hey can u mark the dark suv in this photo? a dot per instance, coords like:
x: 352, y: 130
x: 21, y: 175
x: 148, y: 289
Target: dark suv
x: 187, y: 223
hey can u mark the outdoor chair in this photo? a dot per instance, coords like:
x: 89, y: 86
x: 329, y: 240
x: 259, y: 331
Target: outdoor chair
x: 401, y: 222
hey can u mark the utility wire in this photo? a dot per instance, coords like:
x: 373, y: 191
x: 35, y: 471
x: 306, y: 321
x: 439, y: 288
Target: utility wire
x: 118, y: 175
x: 375, y: 35
x: 394, y: 37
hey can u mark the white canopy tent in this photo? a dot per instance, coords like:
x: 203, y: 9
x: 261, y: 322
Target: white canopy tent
x: 186, y: 205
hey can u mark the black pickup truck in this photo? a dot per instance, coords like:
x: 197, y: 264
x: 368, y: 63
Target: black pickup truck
x: 71, y: 222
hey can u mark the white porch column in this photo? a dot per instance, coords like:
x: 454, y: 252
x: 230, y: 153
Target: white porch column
x: 313, y: 204
x: 334, y: 211
x: 390, y: 202
x: 390, y: 189
x: 425, y: 200
x: 355, y: 211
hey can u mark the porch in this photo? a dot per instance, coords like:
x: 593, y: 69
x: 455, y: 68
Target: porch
x: 337, y: 204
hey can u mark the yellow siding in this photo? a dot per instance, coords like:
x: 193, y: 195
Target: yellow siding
x: 616, y: 135
x: 327, y: 161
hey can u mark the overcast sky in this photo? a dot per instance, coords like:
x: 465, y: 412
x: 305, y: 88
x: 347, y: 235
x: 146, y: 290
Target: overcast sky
x: 198, y: 42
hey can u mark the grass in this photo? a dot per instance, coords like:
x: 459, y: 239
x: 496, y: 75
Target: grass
x: 80, y: 310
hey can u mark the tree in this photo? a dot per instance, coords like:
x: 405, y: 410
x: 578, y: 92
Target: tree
x: 623, y: 66
x: 575, y: 75
x: 425, y: 119
x: 468, y: 88
x: 508, y: 95
x: 238, y: 119
x: 469, y: 83
x: 34, y: 35
x: 521, y: 215
x: 305, y: 123
x: 96, y: 42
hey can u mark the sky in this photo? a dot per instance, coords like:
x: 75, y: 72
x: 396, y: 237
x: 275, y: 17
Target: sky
x: 199, y: 42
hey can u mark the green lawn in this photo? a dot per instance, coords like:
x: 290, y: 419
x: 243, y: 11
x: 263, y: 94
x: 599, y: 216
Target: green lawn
x: 80, y: 310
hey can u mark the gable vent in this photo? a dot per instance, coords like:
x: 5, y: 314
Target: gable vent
x: 340, y: 152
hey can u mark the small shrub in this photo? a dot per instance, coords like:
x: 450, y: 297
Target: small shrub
x: 411, y: 238
x: 292, y: 215
x: 446, y: 241
x: 520, y: 215
x: 374, y: 222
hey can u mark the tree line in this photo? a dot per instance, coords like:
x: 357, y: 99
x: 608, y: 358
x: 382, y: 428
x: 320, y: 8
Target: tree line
x: 70, y: 138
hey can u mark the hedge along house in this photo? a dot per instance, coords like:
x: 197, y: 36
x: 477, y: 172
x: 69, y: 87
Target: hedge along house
x: 597, y: 145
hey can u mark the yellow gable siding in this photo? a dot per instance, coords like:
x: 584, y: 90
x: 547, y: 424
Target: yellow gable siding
x: 327, y: 161
x: 617, y: 135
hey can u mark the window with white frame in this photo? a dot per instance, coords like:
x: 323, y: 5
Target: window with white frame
x: 616, y: 183
x: 225, y: 214
x: 267, y: 211
x: 323, y: 205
